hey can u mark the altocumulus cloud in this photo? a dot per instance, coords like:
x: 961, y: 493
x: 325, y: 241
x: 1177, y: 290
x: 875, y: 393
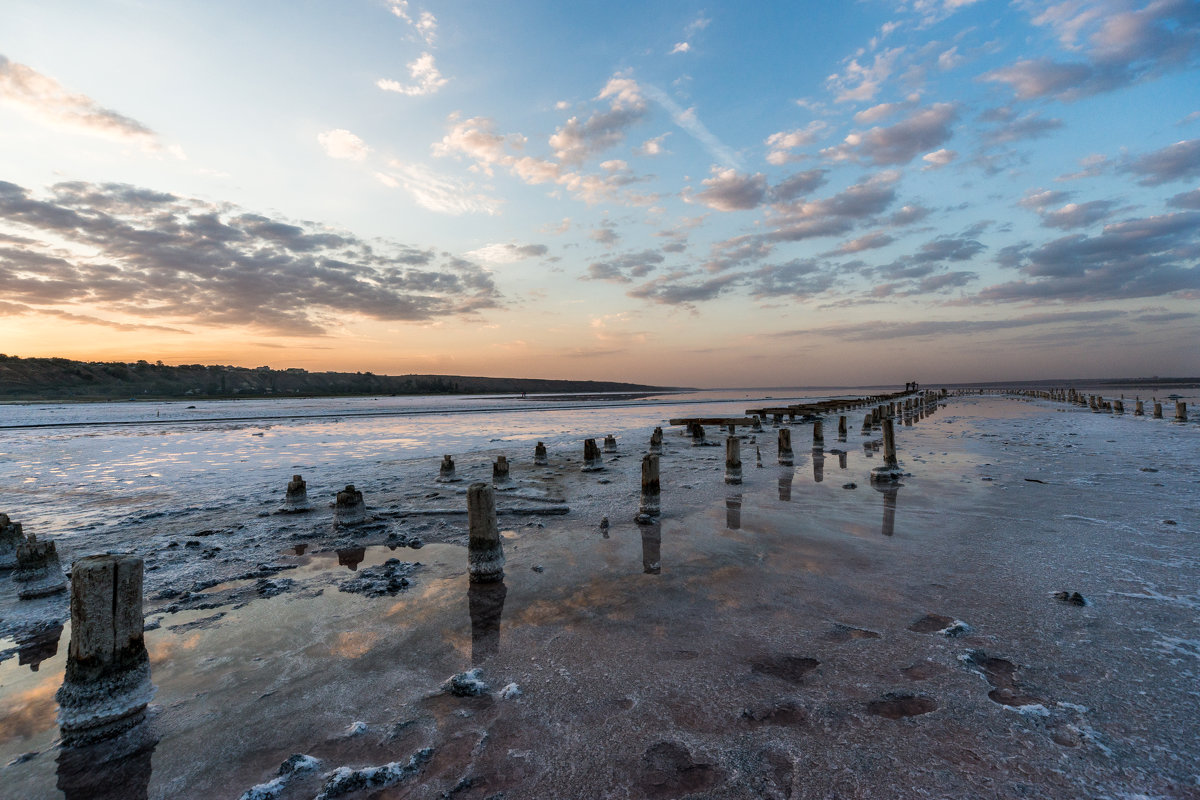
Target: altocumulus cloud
x: 161, y: 257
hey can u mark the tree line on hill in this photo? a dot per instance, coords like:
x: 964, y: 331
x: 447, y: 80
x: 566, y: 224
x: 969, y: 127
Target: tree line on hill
x: 65, y: 379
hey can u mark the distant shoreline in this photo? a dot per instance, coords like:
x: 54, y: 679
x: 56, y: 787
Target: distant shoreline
x: 33, y: 380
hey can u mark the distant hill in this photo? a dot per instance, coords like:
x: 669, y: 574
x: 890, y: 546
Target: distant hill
x: 64, y: 379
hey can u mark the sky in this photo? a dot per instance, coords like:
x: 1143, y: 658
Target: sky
x: 697, y: 194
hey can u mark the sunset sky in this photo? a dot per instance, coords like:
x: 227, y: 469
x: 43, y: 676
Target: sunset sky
x: 716, y: 194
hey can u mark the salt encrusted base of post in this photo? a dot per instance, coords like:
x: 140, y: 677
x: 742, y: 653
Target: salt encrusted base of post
x: 650, y: 506
x: 447, y: 472
x: 107, y: 683
x: 733, y: 460
x: 296, y: 498
x: 485, y: 553
x: 500, y: 472
x: 539, y: 455
x: 890, y: 469
x: 785, y: 447
x: 610, y: 443
x: 348, y: 507
x: 11, y: 535
x: 38, y: 570
x: 592, y: 460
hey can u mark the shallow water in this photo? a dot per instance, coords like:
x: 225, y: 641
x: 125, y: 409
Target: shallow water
x: 778, y: 651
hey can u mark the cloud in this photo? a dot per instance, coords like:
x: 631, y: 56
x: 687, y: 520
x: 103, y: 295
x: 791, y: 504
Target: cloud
x: 624, y: 269
x: 1014, y: 128
x: 1078, y: 215
x: 730, y: 190
x: 835, y: 215
x: 341, y: 143
x: 1147, y: 257
x: 131, y: 251
x: 858, y: 82
x: 782, y: 144
x: 43, y: 97
x: 920, y: 132
x: 1186, y: 200
x: 507, y: 253
x: 869, y: 116
x: 477, y: 140
x: 1116, y: 45
x: 870, y: 241
x: 798, y: 185
x: 1179, y: 161
x: 437, y: 192
x: 929, y: 329
x: 939, y: 158
x: 680, y: 47
x: 798, y: 278
x: 909, y: 214
x: 425, y: 25
x: 651, y: 147
x: 605, y: 235
x: 423, y: 71
x: 676, y: 290
x: 577, y: 140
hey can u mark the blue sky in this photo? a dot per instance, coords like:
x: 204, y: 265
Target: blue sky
x: 700, y: 194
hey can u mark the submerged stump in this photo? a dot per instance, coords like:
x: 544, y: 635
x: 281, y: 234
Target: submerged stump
x: 890, y: 469
x: 107, y: 683
x: 38, y: 569
x: 650, y: 506
x: 485, y: 553
x: 349, y: 508
x: 296, y: 498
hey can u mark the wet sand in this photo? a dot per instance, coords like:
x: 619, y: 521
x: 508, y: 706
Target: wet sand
x: 799, y: 639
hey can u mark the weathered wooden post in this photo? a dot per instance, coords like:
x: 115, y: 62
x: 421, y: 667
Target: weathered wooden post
x: 591, y: 456
x: 610, y: 443
x: 296, y: 498
x: 1180, y: 411
x: 485, y: 553
x: 39, y: 572
x: 107, y: 683
x: 348, y: 507
x: 1158, y: 410
x: 446, y: 473
x: 500, y: 476
x: 651, y: 502
x: 539, y: 455
x: 785, y: 446
x: 11, y: 535
x: 733, y: 460
x: 818, y: 435
x: 656, y: 440
x: 890, y: 469
x: 842, y: 428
